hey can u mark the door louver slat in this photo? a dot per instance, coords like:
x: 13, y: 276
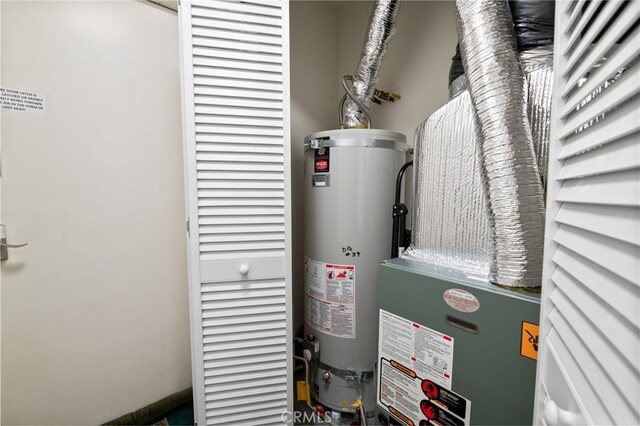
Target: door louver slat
x: 623, y: 89
x: 612, y: 332
x: 580, y: 26
x: 589, y: 362
x: 620, y: 124
x: 575, y: 54
x: 625, y: 53
x: 606, y: 43
x: 235, y: 62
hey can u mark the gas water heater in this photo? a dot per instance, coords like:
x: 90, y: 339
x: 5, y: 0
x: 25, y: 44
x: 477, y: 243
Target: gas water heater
x: 350, y: 182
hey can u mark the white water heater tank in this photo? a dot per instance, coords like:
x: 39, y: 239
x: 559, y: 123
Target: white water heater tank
x: 349, y: 194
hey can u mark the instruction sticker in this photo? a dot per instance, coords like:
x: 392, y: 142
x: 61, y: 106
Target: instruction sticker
x: 417, y: 401
x: 427, y: 352
x: 330, y: 300
x: 22, y: 101
x: 529, y: 340
x: 415, y: 374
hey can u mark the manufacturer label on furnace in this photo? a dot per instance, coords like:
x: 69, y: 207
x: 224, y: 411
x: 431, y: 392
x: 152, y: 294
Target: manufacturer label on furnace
x: 461, y: 300
x: 330, y: 298
x: 415, y: 374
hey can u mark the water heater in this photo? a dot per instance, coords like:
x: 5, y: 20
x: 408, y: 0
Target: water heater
x: 349, y: 190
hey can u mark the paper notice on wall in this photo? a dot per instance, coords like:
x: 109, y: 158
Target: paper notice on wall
x: 330, y: 300
x: 22, y: 101
x: 415, y: 371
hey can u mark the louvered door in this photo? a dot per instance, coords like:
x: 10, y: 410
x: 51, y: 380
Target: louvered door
x: 236, y: 119
x: 589, y: 370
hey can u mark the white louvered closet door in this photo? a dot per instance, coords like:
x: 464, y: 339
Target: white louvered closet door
x: 589, y: 370
x: 235, y: 86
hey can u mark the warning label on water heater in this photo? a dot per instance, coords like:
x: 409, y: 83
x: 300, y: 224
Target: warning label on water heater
x: 414, y: 379
x: 330, y: 297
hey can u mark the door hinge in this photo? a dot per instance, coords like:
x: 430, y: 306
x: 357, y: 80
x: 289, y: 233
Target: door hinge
x: 189, y: 227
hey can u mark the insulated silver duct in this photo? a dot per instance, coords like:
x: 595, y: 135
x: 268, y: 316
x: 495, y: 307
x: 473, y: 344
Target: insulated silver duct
x: 538, y: 67
x: 457, y: 86
x: 450, y: 220
x: 382, y: 26
x: 508, y: 161
x: 450, y: 214
x: 537, y: 64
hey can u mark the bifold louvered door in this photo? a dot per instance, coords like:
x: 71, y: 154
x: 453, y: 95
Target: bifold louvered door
x: 235, y: 87
x: 589, y: 370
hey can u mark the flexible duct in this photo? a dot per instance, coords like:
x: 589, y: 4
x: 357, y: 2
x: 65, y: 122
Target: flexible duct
x: 382, y: 25
x: 533, y: 21
x: 537, y: 65
x: 508, y: 162
x: 450, y: 214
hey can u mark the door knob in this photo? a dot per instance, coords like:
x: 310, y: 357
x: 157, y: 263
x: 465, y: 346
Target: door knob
x: 4, y: 246
x: 554, y: 415
x: 243, y: 269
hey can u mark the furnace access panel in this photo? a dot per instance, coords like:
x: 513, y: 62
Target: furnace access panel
x: 453, y: 351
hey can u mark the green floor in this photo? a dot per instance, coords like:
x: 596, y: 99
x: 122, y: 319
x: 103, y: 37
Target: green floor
x: 181, y: 417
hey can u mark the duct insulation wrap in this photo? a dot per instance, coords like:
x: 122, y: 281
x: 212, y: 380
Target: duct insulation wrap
x: 509, y: 170
x: 450, y: 212
x: 533, y: 21
x: 457, y: 86
x: 450, y: 221
x: 537, y: 65
x: 382, y: 26
x: 349, y: 193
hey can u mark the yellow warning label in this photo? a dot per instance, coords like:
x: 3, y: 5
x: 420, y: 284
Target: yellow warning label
x: 302, y: 390
x: 529, y: 340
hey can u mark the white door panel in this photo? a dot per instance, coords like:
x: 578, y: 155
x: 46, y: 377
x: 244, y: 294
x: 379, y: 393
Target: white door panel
x: 236, y: 110
x: 94, y: 310
x: 589, y: 367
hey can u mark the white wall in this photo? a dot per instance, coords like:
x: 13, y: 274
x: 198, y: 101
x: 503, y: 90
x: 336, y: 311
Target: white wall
x: 94, y: 310
x: 314, y: 65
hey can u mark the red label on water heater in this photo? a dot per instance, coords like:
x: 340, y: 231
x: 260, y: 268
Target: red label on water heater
x: 321, y: 161
x: 322, y: 165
